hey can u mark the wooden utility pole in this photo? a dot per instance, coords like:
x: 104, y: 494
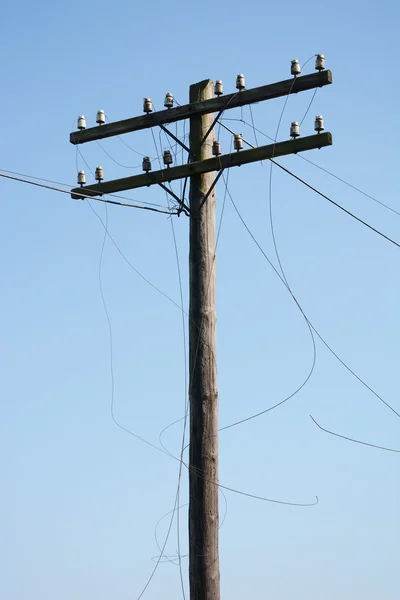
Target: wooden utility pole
x: 204, y: 574
x: 203, y: 392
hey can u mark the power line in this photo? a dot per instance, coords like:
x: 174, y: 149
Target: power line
x: 299, y: 388
x: 273, y: 161
x: 216, y: 246
x: 344, y: 437
x: 348, y: 184
x: 337, y: 205
x: 301, y: 309
x: 357, y: 189
x: 186, y: 403
x: 309, y: 106
x: 84, y: 196
x: 115, y: 161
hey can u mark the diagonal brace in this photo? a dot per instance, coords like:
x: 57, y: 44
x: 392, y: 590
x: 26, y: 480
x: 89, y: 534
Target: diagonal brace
x: 212, y: 186
x: 181, y: 203
x: 177, y: 140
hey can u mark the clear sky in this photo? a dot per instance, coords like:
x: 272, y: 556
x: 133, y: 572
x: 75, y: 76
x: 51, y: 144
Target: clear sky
x: 80, y: 498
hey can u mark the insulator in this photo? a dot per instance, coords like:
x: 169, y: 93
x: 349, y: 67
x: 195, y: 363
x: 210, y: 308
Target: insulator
x: 320, y: 62
x: 100, y: 117
x: 240, y: 83
x: 237, y: 142
x: 99, y: 174
x: 167, y: 158
x: 319, y: 123
x: 146, y: 164
x: 218, y: 88
x: 294, y: 129
x: 147, y: 105
x: 81, y: 122
x: 169, y: 100
x: 81, y: 177
x: 295, y: 69
x: 216, y: 148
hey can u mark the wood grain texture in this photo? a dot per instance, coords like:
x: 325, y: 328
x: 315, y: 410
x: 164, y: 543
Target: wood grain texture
x: 202, y: 107
x: 204, y: 574
x: 207, y: 165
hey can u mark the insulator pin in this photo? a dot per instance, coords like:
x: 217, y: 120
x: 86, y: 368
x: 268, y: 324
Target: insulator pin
x: 237, y: 142
x: 146, y: 164
x: 99, y: 174
x: 320, y: 62
x: 100, y: 117
x: 218, y: 88
x: 294, y: 130
x: 147, y: 105
x: 167, y: 158
x: 216, y: 148
x: 169, y: 100
x: 240, y: 83
x: 295, y: 68
x: 319, y: 124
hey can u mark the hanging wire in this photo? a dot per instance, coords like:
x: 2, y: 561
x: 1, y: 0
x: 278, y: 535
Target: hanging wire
x: 186, y: 402
x: 114, y: 160
x: 305, y: 316
x: 350, y: 185
x: 344, y: 437
x: 309, y: 106
x: 337, y: 205
x: 284, y: 280
x: 86, y: 196
x: 298, y: 155
x: 216, y: 246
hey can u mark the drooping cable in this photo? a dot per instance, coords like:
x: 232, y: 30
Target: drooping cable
x: 116, y: 161
x: 344, y: 437
x: 350, y: 185
x: 315, y: 331
x: 309, y: 106
x: 186, y: 402
x: 337, y: 204
x: 345, y: 365
x: 83, y: 195
x: 299, y: 155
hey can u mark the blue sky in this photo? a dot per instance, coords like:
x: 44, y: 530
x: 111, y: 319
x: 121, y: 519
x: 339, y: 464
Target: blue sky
x: 80, y: 498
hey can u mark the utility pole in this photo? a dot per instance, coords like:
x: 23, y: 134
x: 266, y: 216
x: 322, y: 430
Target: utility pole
x: 204, y: 576
x: 203, y: 392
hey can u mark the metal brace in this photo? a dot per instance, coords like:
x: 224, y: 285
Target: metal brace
x: 182, y: 206
x: 177, y: 140
x: 212, y: 186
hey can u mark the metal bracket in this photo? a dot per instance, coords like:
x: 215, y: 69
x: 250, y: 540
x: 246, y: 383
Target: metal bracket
x: 212, y: 186
x: 177, y: 140
x: 182, y: 206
